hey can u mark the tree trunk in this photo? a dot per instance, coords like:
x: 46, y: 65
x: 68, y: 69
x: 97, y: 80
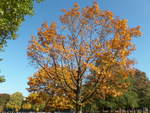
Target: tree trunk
x: 148, y: 110
x: 126, y: 110
x: 79, y: 110
x: 78, y: 106
x: 129, y: 110
x: 101, y: 110
x: 136, y: 110
x: 132, y: 110
x: 142, y: 110
x: 109, y: 110
x: 120, y: 110
x: 78, y: 93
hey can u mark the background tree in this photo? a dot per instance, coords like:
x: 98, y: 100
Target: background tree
x: 4, y: 98
x: 26, y: 106
x: 136, y: 97
x: 15, y: 102
x: 88, y: 36
x: 38, y: 101
x: 129, y: 100
x: 2, y: 79
x: 12, y: 14
x: 142, y: 89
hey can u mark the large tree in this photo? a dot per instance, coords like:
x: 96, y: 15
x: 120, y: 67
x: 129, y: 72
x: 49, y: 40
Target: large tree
x: 87, y: 55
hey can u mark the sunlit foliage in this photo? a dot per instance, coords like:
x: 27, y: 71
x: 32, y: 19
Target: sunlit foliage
x: 86, y: 56
x: 12, y: 14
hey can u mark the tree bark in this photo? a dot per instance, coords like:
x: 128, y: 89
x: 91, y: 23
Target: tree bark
x: 126, y: 110
x: 78, y: 106
x: 132, y: 110
x: 148, y: 110
x: 109, y: 110
x: 78, y: 92
x: 79, y: 109
x: 142, y: 110
x: 120, y: 110
x: 129, y: 110
x: 101, y: 110
x: 136, y: 110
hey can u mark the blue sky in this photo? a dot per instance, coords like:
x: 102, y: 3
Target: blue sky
x: 15, y: 65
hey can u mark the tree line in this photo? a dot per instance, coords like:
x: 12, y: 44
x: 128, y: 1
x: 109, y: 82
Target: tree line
x: 135, y: 99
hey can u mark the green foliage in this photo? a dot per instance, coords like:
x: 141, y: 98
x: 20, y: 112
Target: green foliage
x: 15, y: 102
x: 91, y: 108
x: 12, y: 14
x: 128, y: 100
x: 136, y: 96
x: 4, y: 98
x: 2, y: 79
x: 142, y: 88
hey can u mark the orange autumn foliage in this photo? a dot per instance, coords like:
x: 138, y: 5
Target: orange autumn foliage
x: 49, y: 82
x: 88, y: 57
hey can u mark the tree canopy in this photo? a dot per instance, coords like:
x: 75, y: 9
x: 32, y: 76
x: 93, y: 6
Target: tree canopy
x: 15, y: 102
x: 12, y: 14
x: 86, y: 55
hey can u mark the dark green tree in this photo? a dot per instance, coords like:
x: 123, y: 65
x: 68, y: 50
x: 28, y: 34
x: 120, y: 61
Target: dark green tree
x: 129, y: 100
x: 142, y: 88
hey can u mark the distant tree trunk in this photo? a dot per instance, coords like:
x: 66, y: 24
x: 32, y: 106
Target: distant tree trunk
x: 101, y: 110
x: 142, y: 110
x: 109, y: 110
x: 126, y: 110
x: 132, y: 110
x: 148, y: 110
x: 136, y: 110
x: 129, y: 109
x: 114, y: 111
x: 120, y: 110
